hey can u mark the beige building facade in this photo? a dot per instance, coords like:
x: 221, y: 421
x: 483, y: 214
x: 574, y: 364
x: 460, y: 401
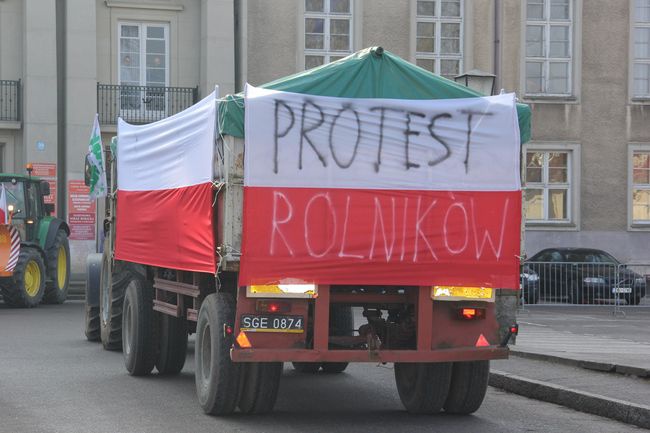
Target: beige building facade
x: 582, y: 65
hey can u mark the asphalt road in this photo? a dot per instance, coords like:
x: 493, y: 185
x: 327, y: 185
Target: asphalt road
x: 53, y: 380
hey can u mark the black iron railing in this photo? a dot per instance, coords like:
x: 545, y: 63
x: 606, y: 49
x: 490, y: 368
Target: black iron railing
x: 142, y: 104
x: 10, y: 100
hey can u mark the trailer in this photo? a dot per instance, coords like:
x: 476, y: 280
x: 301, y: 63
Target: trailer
x: 328, y: 197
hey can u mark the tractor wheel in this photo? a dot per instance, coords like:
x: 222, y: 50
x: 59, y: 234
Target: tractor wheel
x: 216, y: 376
x: 111, y: 295
x: 260, y: 384
x: 423, y: 387
x: 138, y: 328
x: 469, y: 381
x: 27, y: 285
x: 92, y: 324
x: 93, y: 274
x: 172, y: 348
x: 58, y: 270
x: 341, y: 324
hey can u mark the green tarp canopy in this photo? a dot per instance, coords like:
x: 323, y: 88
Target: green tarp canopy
x: 369, y: 73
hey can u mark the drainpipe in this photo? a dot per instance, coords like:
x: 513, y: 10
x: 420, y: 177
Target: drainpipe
x: 497, y: 45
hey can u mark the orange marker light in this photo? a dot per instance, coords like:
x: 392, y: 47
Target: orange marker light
x: 243, y: 341
x: 469, y: 313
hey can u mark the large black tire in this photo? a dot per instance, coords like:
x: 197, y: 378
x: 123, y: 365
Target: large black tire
x: 26, y: 287
x: 111, y: 296
x: 260, y: 384
x: 341, y: 324
x: 469, y: 382
x: 58, y: 269
x: 92, y: 324
x: 423, y: 387
x: 93, y: 274
x: 139, y: 328
x: 217, y: 377
x: 172, y: 347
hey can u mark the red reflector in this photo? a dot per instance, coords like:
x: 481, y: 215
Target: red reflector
x: 482, y: 341
x: 514, y: 329
x: 227, y: 330
x: 267, y: 306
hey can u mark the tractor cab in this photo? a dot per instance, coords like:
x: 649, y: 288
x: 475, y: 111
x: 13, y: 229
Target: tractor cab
x: 25, y: 203
x: 34, y: 247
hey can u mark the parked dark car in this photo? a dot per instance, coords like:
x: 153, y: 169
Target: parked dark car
x: 582, y: 275
x: 529, y: 285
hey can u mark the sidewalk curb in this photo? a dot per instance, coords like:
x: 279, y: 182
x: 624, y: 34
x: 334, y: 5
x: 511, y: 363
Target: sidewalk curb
x: 582, y: 401
x: 588, y: 365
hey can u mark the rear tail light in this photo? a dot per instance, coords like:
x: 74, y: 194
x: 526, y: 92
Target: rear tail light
x: 467, y: 313
x: 272, y: 306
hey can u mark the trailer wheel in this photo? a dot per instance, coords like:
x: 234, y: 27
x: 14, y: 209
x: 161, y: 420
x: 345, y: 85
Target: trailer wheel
x: 172, y: 348
x: 93, y: 272
x: 260, y: 384
x: 469, y: 381
x: 138, y: 328
x: 423, y: 387
x: 111, y: 296
x: 216, y: 376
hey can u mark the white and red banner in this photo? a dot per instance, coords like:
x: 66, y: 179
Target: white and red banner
x: 381, y: 191
x: 164, y: 199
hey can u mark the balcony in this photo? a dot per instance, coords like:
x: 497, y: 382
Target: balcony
x: 10, y: 101
x: 142, y: 104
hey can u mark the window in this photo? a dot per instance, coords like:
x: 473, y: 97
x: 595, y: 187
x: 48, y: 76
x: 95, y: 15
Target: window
x: 641, y: 56
x: 328, y: 31
x: 548, y: 186
x: 641, y: 186
x: 439, y: 37
x: 143, y: 61
x: 549, y: 47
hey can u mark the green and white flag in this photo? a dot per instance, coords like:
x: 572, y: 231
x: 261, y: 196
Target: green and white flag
x: 96, y: 159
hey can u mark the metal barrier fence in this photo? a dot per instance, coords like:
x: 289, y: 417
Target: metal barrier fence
x: 142, y: 104
x: 584, y: 283
x: 10, y: 100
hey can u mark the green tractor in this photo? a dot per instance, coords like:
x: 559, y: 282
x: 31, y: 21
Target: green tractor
x: 42, y: 270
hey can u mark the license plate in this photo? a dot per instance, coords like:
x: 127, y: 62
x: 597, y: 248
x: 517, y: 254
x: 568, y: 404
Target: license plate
x: 622, y: 290
x: 271, y: 323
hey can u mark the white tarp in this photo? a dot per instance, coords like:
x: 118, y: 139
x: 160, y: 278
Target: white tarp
x: 299, y: 140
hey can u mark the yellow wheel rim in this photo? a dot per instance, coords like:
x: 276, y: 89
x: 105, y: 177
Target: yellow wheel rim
x: 62, y: 267
x: 32, y: 278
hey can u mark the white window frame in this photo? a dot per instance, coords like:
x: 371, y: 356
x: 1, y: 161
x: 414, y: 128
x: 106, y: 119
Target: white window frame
x: 327, y: 16
x: 142, y: 25
x: 631, y: 224
x: 573, y: 195
x: 642, y: 99
x: 438, y: 19
x: 575, y: 13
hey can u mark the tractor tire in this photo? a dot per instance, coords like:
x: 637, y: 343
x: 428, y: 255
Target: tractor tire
x: 27, y: 285
x: 260, y: 384
x: 217, y: 377
x: 423, y: 387
x: 172, y: 346
x: 92, y: 324
x: 111, y: 296
x: 58, y: 270
x: 341, y: 324
x: 306, y: 367
x: 139, y: 328
x: 469, y: 382
x: 93, y: 274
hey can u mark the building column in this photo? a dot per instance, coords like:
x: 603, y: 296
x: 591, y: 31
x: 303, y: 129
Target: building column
x: 217, y: 46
